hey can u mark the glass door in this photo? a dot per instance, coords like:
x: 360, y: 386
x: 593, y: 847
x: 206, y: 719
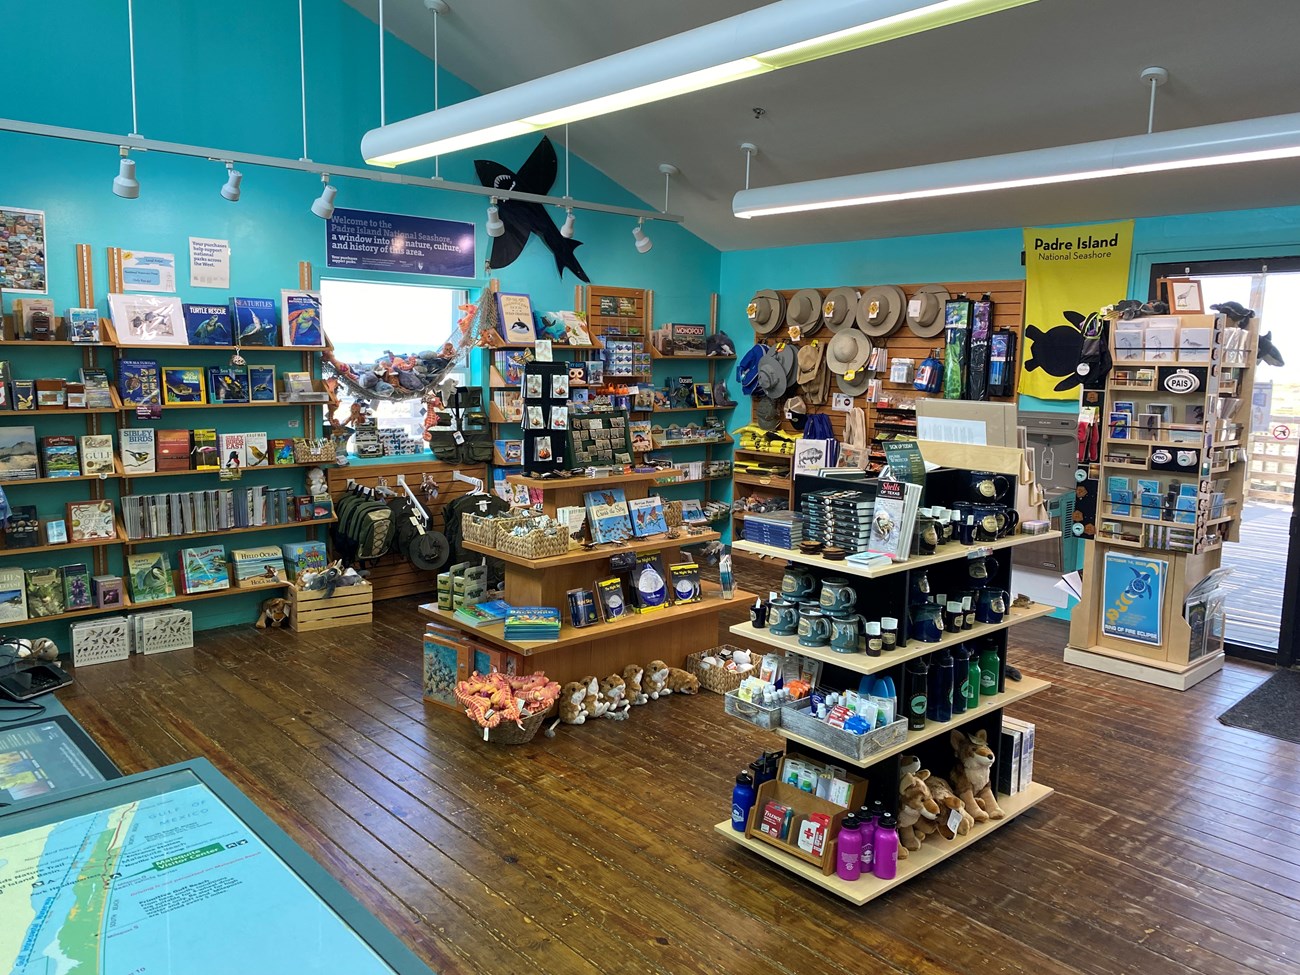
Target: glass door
x: 1260, y: 609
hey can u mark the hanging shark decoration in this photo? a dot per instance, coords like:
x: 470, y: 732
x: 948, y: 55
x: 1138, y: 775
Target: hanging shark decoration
x: 536, y: 175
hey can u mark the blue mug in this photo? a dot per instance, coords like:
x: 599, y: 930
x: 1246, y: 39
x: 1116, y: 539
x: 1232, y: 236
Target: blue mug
x: 783, y: 617
x: 991, y: 605
x: 838, y: 595
x: 814, y: 628
x: 927, y: 622
x: 846, y: 632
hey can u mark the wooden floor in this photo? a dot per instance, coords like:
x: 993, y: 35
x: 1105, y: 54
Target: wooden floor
x: 1172, y: 844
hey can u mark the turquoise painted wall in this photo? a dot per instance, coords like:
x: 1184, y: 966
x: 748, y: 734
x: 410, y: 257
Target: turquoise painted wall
x: 226, y: 76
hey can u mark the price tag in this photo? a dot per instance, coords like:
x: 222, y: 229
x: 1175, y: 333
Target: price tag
x: 230, y: 474
x: 458, y: 437
x: 979, y: 552
x: 954, y: 819
x: 914, y: 308
x: 842, y: 402
x: 149, y: 411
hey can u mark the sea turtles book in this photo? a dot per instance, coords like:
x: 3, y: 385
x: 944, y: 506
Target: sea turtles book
x: 255, y: 321
x: 182, y: 384
x: 139, y: 381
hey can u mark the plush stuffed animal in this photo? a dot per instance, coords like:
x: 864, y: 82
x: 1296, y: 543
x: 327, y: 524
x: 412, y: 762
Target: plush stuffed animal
x: 592, y: 702
x: 970, y: 776
x: 914, y: 802
x: 948, y: 801
x: 274, y: 612
x: 653, y: 681
x: 632, y: 679
x: 572, y: 711
x: 316, y: 483
x: 614, y: 691
x: 681, y: 682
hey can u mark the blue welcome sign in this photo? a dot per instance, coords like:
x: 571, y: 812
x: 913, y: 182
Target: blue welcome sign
x: 1133, y: 596
x: 362, y: 240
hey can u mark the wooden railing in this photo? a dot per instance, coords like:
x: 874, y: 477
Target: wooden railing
x: 1273, y: 455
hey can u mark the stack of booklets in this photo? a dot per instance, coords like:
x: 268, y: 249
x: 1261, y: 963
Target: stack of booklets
x: 783, y: 529
x: 532, y: 624
x: 257, y: 566
x: 894, y: 519
x: 186, y: 512
x: 484, y: 613
x: 840, y: 518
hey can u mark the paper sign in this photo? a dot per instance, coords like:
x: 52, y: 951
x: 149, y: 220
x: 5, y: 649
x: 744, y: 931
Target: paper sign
x: 209, y: 263
x: 230, y: 474
x: 148, y: 271
x: 842, y: 402
x: 948, y: 430
x: 1071, y: 584
x: 542, y: 350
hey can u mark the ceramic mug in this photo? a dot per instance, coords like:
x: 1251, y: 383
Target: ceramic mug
x: 798, y: 583
x: 966, y: 531
x: 982, y: 568
x: 838, y: 595
x: 783, y: 617
x: 814, y: 629
x: 991, y: 605
x: 987, y: 486
x: 846, y: 632
x: 994, y: 521
x: 927, y: 535
x: 942, y: 523
x: 927, y: 622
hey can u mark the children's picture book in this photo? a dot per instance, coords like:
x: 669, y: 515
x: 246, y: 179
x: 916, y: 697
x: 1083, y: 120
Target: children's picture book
x: 203, y: 447
x: 693, y: 513
x: 893, y: 518
x: 227, y: 384
x: 17, y: 453
x: 608, y: 516
x: 704, y: 394
x: 300, y: 313
x: 254, y: 321
x: 139, y: 381
x: 139, y: 452
x: 172, y: 448
x: 204, y: 569
x: 255, y: 450
x: 59, y: 456
x: 44, y: 592
x: 684, y: 582
x: 612, y: 599
x: 230, y: 448
x: 97, y: 454
x: 649, y: 583
x: 182, y: 384
x: 148, y: 320
x: 149, y: 578
x: 208, y: 325
x: 516, y: 315
x: 91, y: 520
x: 281, y: 450
x: 647, y: 516
x: 261, y: 384
x: 83, y: 325
x: 76, y: 587
x: 13, y: 595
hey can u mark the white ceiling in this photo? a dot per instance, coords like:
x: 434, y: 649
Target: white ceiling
x: 1051, y: 73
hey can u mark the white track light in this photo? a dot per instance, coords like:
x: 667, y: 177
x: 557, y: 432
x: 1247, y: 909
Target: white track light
x: 643, y: 243
x: 494, y: 227
x: 125, y: 184
x: 233, y: 178
x: 323, y: 206
x: 567, y: 229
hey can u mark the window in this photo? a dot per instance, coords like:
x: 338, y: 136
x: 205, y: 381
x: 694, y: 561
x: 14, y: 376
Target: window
x: 366, y: 320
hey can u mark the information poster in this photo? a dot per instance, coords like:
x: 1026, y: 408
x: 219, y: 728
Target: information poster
x: 1133, y: 594
x: 209, y: 263
x: 148, y: 271
x: 22, y: 251
x: 363, y: 240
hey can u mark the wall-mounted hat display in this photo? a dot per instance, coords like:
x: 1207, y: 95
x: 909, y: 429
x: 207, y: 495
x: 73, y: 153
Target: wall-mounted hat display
x: 855, y: 386
x: 747, y: 370
x: 766, y: 311
x: 805, y: 311
x: 796, y: 411
x: 847, y: 351
x: 925, y: 310
x: 772, y: 376
x: 840, y: 309
x: 881, y: 309
x: 766, y: 415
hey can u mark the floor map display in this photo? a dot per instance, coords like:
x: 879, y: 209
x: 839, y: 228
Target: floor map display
x: 170, y: 881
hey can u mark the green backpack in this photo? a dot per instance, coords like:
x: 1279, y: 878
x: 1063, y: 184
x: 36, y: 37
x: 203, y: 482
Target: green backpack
x: 365, y: 529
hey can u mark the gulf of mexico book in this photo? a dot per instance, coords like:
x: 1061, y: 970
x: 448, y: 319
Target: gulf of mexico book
x: 97, y: 454
x: 208, y: 324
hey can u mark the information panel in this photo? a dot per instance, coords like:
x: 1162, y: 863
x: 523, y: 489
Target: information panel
x: 362, y: 240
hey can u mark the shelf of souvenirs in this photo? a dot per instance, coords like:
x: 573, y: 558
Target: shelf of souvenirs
x: 656, y: 354
x: 44, y: 412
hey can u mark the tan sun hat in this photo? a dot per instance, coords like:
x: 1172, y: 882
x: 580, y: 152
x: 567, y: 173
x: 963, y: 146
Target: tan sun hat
x: 881, y: 310
x: 840, y: 309
x: 810, y: 360
x: 847, y: 351
x: 925, y: 310
x: 805, y: 311
x: 766, y: 311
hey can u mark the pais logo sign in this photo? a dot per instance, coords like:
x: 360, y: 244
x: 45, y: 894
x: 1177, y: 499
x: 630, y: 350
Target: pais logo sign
x: 1181, y: 381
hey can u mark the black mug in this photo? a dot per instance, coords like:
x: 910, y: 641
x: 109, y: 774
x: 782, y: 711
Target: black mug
x: 986, y: 486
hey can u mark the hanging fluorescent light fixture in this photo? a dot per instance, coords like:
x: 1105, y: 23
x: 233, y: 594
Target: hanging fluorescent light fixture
x: 778, y: 35
x: 1222, y: 144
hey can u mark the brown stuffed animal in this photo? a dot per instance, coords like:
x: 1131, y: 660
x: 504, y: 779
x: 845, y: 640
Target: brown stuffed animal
x: 571, y: 710
x: 970, y: 776
x: 681, y: 682
x: 653, y: 681
x: 948, y: 801
x: 593, y: 703
x: 914, y: 802
x: 614, y: 691
x: 632, y: 679
x: 274, y: 612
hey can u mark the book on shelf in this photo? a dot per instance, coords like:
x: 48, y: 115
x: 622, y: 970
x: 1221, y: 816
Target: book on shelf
x: 203, y: 447
x: 97, y: 454
x: 90, y: 521
x: 256, y: 450
x: 6, y: 400
x: 693, y: 513
x: 24, y: 527
x: 83, y: 325
x: 76, y: 587
x: 13, y: 595
x: 139, y: 381
x: 301, y: 314
x: 894, y: 518
x: 647, y: 516
x: 182, y: 384
x: 607, y: 515
x: 515, y: 313
x: 173, y: 450
x: 613, y: 599
x: 254, y: 321
x: 227, y: 384
x: 281, y: 450
x: 684, y: 582
x: 532, y: 623
x: 149, y: 577
x: 139, y: 452
x: 96, y: 384
x: 44, y: 592
x: 649, y: 583
x: 230, y: 448
x: 18, y: 456
x: 204, y: 569
x: 261, y: 384
x: 299, y: 557
x: 483, y: 613
x: 56, y: 531
x: 59, y: 456
x: 208, y: 324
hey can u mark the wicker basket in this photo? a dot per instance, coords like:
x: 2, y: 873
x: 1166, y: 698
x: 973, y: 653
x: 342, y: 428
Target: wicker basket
x: 673, y: 514
x: 534, y: 545
x: 509, y: 733
x: 485, y: 529
x: 715, y: 679
x: 321, y: 451
x: 758, y: 715
x: 796, y: 718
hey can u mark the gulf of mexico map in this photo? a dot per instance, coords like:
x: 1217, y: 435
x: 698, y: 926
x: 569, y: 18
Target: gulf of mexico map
x: 171, y: 883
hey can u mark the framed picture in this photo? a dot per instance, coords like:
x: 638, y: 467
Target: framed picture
x: 1184, y: 296
x: 148, y: 320
x: 90, y: 520
x: 22, y: 261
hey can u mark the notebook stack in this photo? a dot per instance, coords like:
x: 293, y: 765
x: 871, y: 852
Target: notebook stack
x: 257, y: 566
x: 532, y: 624
x: 841, y: 518
x: 782, y: 529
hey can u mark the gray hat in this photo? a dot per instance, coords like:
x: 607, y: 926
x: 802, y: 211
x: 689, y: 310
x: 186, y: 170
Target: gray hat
x: 766, y: 415
x: 840, y: 309
x: 881, y: 309
x: 805, y: 311
x: 787, y: 357
x: 766, y: 311
x: 855, y: 386
x: 847, y: 351
x: 928, y: 304
x: 772, y: 377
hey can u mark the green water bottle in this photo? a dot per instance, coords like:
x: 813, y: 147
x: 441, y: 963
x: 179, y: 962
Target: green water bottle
x: 990, y: 665
x: 968, y: 681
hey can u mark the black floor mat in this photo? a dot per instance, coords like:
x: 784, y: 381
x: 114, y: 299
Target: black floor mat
x: 1271, y: 709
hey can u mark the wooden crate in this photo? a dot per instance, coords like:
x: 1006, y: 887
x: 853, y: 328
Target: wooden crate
x: 313, y: 610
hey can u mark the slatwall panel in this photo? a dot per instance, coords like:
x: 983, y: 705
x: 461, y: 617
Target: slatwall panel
x: 393, y: 575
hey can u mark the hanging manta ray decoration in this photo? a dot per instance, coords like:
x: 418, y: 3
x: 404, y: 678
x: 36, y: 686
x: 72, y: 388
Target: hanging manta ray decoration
x: 536, y: 175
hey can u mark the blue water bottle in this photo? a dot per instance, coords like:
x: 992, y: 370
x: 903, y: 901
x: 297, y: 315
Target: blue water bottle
x: 742, y: 800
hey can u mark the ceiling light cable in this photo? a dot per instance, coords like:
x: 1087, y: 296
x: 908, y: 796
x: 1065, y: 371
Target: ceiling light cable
x: 382, y: 114
x: 130, y: 34
x: 1157, y: 77
x: 750, y: 150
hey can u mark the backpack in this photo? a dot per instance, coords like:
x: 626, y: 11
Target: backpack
x: 366, y: 527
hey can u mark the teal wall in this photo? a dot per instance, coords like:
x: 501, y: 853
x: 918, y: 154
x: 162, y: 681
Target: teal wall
x: 225, y: 75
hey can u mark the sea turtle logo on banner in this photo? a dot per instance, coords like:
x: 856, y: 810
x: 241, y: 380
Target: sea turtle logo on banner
x: 522, y: 219
x: 1058, y: 351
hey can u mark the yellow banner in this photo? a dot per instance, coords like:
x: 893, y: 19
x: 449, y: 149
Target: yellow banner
x: 1070, y: 273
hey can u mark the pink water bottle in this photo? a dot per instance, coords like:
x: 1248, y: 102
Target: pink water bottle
x: 885, y: 848
x: 848, y: 849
